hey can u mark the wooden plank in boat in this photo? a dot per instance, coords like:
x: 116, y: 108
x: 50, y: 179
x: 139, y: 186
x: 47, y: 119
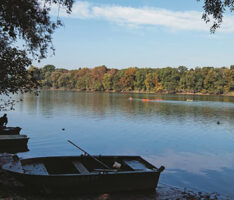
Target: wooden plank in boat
x: 13, y: 137
x: 81, y: 168
x: 35, y: 168
x: 15, y: 166
x: 136, y: 165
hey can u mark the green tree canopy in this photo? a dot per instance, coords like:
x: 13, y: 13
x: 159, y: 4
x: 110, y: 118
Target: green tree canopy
x: 26, y: 23
x: 215, y: 9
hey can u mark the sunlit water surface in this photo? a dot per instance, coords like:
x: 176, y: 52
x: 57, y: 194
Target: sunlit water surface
x: 182, y: 135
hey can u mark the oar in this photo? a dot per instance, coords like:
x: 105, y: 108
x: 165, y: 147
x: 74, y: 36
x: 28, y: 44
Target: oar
x: 100, y: 162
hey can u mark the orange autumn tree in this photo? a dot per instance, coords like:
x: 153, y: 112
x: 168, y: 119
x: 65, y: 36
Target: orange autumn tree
x: 127, y: 81
x: 97, y: 75
x: 152, y: 84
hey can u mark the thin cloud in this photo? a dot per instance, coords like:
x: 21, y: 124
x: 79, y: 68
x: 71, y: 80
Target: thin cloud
x: 146, y: 16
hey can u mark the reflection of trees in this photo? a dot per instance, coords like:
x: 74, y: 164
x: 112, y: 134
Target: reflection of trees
x: 98, y: 103
x: 30, y: 103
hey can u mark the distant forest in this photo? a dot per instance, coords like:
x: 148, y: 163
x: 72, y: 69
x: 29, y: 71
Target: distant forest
x: 206, y: 80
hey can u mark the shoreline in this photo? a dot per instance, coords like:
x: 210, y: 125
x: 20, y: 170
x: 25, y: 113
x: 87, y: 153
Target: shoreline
x: 230, y: 94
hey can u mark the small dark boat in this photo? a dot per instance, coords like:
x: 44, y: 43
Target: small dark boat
x: 10, y: 131
x: 13, y: 142
x: 83, y: 174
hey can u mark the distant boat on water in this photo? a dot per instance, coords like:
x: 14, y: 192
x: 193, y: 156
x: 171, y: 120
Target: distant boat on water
x: 145, y: 100
x: 151, y: 100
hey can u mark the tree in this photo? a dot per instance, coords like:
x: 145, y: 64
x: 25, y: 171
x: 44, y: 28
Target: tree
x: 64, y: 80
x: 182, y: 83
x: 139, y: 83
x: 128, y: 78
x: 198, y: 79
x: 83, y: 81
x: 169, y: 78
x: 182, y: 69
x: 152, y: 83
x: 45, y: 75
x: 26, y: 22
x: 107, y: 81
x: 97, y: 77
x: 216, y: 9
x: 210, y: 80
x: 47, y: 69
x: 190, y: 80
x: 35, y: 72
x: 13, y: 75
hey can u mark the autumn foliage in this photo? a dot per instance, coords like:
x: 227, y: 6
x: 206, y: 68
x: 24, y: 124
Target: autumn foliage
x: 168, y: 80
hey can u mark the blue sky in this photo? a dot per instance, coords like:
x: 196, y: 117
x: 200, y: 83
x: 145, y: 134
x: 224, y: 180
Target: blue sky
x: 141, y: 33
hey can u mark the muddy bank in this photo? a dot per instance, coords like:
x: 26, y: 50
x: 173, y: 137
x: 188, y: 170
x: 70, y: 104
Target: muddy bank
x: 11, y: 189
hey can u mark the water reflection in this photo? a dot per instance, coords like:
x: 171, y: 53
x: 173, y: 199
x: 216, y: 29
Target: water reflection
x: 183, y: 136
x: 103, y: 104
x: 192, y: 162
x: 204, y: 171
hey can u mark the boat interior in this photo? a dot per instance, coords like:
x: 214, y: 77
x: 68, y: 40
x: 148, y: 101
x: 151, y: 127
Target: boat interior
x: 12, y: 137
x: 84, y: 165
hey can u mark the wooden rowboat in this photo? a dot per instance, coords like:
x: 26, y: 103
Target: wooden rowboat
x: 10, y: 131
x: 83, y: 174
x: 11, y: 143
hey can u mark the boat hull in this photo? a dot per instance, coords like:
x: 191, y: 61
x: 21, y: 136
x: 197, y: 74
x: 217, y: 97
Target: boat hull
x: 94, y: 182
x: 10, y: 131
x: 13, y: 143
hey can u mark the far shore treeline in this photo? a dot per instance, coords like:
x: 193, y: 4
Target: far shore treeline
x: 205, y: 80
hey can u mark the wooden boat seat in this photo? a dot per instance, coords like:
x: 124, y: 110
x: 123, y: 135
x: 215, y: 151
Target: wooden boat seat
x: 135, y: 165
x: 35, y: 168
x: 80, y: 167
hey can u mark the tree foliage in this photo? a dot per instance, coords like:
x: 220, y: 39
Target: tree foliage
x: 167, y: 80
x: 215, y: 9
x: 13, y: 75
x: 30, y: 21
x: 26, y: 30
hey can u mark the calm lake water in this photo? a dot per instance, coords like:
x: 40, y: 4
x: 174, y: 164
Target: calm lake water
x: 183, y: 136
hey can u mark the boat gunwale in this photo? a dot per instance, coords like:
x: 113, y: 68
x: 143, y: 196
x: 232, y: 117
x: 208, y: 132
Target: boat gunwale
x: 92, y: 173
x: 86, y: 175
x: 13, y: 137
